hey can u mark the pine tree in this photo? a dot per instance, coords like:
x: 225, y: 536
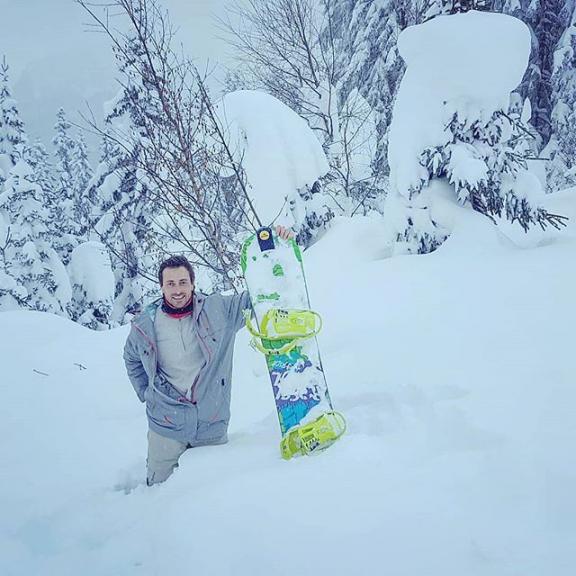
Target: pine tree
x: 494, y: 154
x: 547, y: 20
x: 459, y: 6
x: 38, y: 278
x: 12, y: 132
x: 482, y: 153
x: 43, y: 171
x: 64, y: 152
x: 64, y: 206
x: 562, y: 168
x: 548, y: 30
x: 311, y: 213
x: 365, y: 34
x: 81, y: 176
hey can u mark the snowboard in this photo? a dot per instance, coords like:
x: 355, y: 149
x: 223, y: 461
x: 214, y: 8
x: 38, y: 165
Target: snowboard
x: 284, y: 331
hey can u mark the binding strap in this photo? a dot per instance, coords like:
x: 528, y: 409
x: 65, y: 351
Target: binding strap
x: 279, y: 324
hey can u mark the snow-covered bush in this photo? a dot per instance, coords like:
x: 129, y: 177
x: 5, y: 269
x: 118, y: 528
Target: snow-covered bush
x: 452, y: 120
x: 93, y: 286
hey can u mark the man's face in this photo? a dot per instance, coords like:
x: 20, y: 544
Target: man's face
x: 176, y: 286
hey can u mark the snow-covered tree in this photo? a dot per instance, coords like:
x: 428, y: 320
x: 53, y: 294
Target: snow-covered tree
x: 70, y: 207
x: 456, y: 6
x: 460, y: 131
x: 547, y: 20
x: 42, y: 170
x: 310, y: 211
x: 63, y: 207
x: 279, y: 48
x: 365, y: 35
x: 562, y: 148
x: 81, y: 175
x: 64, y: 151
x: 548, y: 29
x: 34, y: 276
x: 12, y: 132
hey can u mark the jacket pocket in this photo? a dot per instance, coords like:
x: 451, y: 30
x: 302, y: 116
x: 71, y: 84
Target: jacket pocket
x: 220, y: 408
x: 165, y: 412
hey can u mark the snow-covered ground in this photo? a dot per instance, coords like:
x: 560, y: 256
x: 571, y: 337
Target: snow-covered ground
x: 456, y: 373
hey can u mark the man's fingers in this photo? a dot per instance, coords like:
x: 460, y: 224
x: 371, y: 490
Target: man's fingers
x: 284, y: 233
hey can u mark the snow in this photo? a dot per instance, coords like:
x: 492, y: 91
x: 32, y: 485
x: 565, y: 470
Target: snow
x: 455, y: 371
x: 448, y: 74
x: 90, y: 269
x: 277, y: 149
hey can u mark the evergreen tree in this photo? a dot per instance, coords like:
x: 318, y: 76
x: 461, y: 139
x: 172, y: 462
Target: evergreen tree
x: 562, y: 168
x: 481, y: 151
x: 547, y: 20
x: 548, y: 29
x: 64, y: 201
x: 484, y: 161
x: 64, y: 148
x: 81, y: 176
x: 42, y: 170
x: 12, y: 132
x: 39, y: 279
x: 365, y: 34
x: 311, y: 213
x: 458, y: 6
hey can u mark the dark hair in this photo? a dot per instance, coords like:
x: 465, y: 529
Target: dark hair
x: 176, y: 262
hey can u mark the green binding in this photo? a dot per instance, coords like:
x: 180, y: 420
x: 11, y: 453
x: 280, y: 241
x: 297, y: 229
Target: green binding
x: 313, y: 437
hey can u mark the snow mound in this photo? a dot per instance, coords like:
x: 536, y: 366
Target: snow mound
x: 446, y: 74
x: 277, y: 149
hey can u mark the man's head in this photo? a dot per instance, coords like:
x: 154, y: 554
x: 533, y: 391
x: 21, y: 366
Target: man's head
x: 176, y: 277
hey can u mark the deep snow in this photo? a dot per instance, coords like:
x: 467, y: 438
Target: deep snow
x: 455, y: 371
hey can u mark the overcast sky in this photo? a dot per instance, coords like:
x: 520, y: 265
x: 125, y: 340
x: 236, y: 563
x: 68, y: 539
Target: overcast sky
x: 55, y: 61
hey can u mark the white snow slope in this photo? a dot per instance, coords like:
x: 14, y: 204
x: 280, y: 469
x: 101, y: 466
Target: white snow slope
x: 456, y: 372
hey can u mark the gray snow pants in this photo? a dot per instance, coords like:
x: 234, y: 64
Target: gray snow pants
x: 163, y: 456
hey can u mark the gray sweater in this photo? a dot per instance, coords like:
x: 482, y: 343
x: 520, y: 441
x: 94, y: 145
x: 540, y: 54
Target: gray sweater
x: 180, y: 357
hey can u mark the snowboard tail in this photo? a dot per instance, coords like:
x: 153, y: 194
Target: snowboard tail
x: 286, y: 334
x: 313, y: 437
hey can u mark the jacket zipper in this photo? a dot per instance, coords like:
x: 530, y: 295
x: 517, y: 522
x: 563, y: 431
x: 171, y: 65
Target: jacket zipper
x: 136, y: 327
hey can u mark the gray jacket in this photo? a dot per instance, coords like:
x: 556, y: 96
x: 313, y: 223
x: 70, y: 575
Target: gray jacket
x: 202, y: 419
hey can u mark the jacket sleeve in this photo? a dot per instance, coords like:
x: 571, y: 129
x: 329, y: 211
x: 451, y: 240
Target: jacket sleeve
x: 134, y: 367
x: 236, y: 306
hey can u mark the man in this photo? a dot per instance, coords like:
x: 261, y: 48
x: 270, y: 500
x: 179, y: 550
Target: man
x: 178, y: 356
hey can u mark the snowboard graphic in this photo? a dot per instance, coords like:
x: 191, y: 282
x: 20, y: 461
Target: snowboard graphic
x: 286, y: 334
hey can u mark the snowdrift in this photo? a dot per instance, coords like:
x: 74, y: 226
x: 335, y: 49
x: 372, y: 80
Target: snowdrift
x: 456, y: 373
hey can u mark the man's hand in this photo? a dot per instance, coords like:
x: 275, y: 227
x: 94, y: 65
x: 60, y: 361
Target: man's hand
x: 284, y: 233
